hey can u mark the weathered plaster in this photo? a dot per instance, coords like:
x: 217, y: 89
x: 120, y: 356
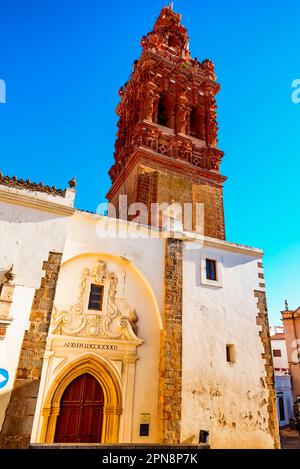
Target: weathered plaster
x: 230, y: 400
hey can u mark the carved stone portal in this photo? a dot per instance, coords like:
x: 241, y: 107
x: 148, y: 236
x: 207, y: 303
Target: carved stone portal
x: 117, y: 320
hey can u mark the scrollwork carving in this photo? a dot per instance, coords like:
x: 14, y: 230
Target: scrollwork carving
x: 117, y: 320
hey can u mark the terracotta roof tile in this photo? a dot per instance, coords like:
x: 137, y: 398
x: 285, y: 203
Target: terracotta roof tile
x: 278, y: 336
x: 21, y: 184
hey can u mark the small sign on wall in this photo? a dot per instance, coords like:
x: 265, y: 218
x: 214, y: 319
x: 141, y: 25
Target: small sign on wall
x: 144, y: 424
x: 4, y: 377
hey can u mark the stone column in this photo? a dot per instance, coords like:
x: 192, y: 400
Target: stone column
x: 6, y: 300
x: 148, y: 94
x: 170, y: 384
x: 182, y: 114
x: 129, y: 363
x: 262, y: 320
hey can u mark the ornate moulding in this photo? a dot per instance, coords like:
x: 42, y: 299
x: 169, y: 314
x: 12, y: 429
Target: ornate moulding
x: 6, y: 298
x: 117, y: 320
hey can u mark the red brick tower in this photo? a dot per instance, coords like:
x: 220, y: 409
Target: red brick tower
x: 166, y: 148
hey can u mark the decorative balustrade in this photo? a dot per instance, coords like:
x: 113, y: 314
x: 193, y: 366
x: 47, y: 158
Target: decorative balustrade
x: 177, y: 147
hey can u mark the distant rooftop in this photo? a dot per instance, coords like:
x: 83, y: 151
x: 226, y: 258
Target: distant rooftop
x: 278, y: 336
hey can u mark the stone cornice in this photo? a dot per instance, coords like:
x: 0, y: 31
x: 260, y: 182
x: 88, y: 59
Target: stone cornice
x: 233, y: 247
x: 146, y: 155
x: 17, y: 198
x: 291, y: 315
x: 188, y: 237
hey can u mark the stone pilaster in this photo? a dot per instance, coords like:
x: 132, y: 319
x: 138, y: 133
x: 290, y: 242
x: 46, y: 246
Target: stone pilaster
x: 170, y: 384
x: 18, y: 421
x: 6, y: 299
x: 262, y: 320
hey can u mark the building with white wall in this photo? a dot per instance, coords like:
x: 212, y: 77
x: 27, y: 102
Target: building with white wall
x: 33, y: 221
x: 119, y: 329
x: 283, y: 385
x: 121, y: 345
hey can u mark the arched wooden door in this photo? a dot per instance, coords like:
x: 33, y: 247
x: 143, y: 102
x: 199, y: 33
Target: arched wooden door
x: 81, y: 412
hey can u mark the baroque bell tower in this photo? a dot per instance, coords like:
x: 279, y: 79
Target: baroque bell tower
x: 166, y: 149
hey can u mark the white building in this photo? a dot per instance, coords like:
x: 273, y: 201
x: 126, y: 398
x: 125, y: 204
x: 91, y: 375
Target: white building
x: 283, y: 385
x: 117, y: 331
x: 224, y: 387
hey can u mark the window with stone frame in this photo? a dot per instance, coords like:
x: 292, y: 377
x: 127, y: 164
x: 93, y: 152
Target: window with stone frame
x: 96, y: 297
x: 276, y: 353
x: 211, y: 269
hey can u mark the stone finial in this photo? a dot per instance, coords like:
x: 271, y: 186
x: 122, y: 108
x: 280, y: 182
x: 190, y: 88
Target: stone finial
x: 286, y: 305
x: 10, y: 275
x: 72, y: 183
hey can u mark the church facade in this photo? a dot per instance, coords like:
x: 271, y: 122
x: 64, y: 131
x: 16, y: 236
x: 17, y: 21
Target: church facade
x: 146, y: 325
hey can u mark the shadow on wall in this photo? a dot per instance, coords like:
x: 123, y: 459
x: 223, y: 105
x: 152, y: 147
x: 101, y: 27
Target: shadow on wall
x: 17, y: 215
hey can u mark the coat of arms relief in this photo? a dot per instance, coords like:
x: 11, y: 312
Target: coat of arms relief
x: 116, y: 320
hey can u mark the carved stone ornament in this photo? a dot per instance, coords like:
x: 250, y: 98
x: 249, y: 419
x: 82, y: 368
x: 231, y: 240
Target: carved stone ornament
x: 6, y: 300
x: 117, y: 320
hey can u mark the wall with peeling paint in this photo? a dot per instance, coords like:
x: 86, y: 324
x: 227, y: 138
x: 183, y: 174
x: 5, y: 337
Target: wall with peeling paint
x: 27, y: 234
x: 227, y: 399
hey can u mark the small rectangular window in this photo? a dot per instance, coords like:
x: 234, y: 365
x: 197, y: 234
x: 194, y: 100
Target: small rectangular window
x: 276, y: 353
x: 211, y: 269
x: 230, y: 355
x: 144, y: 429
x: 96, y: 297
x: 281, y: 409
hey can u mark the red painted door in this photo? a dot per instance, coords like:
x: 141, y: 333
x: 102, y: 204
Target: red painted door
x: 81, y: 412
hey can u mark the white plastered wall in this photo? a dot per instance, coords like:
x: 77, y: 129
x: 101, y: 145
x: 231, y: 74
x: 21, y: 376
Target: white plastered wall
x: 227, y: 399
x: 27, y: 235
x: 139, y: 267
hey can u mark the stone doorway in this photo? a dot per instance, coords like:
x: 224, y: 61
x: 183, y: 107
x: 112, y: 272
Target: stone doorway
x: 81, y: 412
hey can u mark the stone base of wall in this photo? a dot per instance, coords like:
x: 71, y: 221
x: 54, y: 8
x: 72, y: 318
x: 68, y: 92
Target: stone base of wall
x: 19, y: 415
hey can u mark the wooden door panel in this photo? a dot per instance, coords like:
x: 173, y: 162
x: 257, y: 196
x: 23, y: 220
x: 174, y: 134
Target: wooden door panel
x: 68, y: 422
x: 81, y: 412
x: 85, y: 424
x: 89, y: 390
x: 73, y: 392
x: 96, y: 422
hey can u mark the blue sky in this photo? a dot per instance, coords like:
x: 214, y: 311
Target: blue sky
x: 64, y: 61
